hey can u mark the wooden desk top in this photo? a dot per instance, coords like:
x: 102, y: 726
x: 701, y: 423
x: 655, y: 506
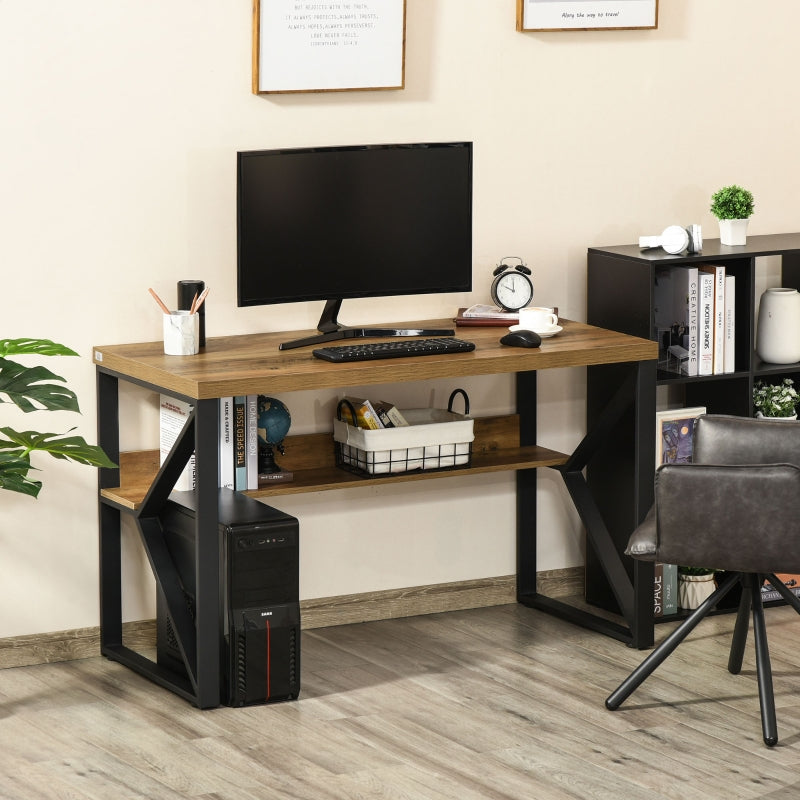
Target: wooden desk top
x: 253, y: 364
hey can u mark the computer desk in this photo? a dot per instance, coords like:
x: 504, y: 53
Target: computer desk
x: 253, y: 364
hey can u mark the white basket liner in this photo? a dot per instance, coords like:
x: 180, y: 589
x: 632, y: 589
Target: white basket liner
x: 434, y: 439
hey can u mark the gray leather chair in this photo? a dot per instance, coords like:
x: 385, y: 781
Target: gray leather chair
x: 736, y: 507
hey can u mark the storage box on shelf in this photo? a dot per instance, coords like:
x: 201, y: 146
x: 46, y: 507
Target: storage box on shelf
x: 622, y: 296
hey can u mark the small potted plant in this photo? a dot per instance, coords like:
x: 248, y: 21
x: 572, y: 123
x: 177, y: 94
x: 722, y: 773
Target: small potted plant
x: 733, y: 207
x: 695, y: 584
x: 776, y: 401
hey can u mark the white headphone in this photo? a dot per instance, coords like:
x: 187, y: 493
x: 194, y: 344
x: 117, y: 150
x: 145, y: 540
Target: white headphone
x: 675, y: 240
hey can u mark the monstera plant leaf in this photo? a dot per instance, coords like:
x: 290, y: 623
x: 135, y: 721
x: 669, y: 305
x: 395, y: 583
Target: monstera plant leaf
x: 37, y: 389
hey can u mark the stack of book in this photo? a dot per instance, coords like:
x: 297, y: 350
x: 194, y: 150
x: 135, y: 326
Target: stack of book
x: 695, y: 319
x: 371, y: 416
x: 238, y: 440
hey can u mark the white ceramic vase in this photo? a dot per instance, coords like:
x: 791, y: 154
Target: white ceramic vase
x: 733, y: 231
x: 778, y: 334
x: 694, y: 589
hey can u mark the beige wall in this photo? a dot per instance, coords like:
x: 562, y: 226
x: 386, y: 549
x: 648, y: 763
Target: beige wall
x: 120, y: 123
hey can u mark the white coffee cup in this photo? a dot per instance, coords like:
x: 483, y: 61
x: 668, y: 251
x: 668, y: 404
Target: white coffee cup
x: 538, y: 318
x: 181, y: 333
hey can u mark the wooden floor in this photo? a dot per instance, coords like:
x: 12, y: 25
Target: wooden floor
x: 499, y: 702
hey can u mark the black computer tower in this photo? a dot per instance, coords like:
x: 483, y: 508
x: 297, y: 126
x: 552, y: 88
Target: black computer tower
x: 260, y: 638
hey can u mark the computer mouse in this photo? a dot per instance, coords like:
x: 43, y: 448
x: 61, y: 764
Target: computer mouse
x: 522, y: 339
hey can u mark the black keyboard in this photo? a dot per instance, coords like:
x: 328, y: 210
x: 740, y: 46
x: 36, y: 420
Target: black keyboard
x: 402, y: 348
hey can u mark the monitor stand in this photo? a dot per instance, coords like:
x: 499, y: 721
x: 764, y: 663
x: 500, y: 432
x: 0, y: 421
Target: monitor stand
x: 330, y: 330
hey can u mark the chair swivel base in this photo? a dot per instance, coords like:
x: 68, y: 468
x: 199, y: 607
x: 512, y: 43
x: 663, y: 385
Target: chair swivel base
x: 750, y: 600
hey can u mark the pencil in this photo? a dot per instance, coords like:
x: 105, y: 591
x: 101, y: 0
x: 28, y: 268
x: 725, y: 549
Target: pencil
x: 159, y: 301
x: 196, y: 305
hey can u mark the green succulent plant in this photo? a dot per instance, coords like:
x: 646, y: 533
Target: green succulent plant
x: 37, y: 389
x: 732, y: 202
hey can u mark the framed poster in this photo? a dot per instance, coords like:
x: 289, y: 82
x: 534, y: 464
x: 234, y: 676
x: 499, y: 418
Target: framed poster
x: 586, y: 15
x: 328, y: 45
x: 675, y: 434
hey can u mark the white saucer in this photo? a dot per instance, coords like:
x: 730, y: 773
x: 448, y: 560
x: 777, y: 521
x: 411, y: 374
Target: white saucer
x: 544, y: 334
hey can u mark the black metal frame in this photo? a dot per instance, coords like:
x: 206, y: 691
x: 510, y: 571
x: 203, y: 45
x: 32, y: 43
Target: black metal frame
x: 200, y: 637
x: 634, y: 595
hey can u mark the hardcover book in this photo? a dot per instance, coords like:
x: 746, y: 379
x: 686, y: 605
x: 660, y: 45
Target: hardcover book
x: 729, y: 360
x: 226, y: 479
x: 240, y: 442
x: 705, y: 324
x: 252, y: 441
x: 717, y: 271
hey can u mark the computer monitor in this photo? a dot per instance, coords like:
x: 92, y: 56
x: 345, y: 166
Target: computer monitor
x: 333, y: 223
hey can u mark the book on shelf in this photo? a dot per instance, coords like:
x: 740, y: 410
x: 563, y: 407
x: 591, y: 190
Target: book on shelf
x: 252, y: 441
x: 717, y: 271
x: 172, y: 415
x: 792, y: 584
x: 665, y: 589
x: 240, y: 442
x: 366, y: 415
x: 390, y: 415
x: 226, y: 479
x: 729, y: 359
x: 705, y: 324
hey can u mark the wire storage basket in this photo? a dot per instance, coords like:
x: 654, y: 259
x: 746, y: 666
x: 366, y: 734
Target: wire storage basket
x: 435, y: 439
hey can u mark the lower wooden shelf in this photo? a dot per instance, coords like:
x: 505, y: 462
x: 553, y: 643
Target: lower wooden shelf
x: 311, y: 459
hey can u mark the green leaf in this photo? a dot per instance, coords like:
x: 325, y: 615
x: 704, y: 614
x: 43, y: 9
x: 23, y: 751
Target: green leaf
x: 14, y: 474
x: 39, y: 347
x: 23, y: 385
x: 72, y: 448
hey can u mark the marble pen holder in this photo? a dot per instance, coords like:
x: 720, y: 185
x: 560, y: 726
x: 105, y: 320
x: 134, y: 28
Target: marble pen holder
x: 181, y: 333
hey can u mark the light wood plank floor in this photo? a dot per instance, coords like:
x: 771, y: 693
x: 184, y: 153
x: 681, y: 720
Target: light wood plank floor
x: 494, y: 703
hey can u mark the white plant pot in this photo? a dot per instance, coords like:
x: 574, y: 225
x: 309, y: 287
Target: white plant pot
x: 759, y: 415
x: 778, y: 334
x: 694, y: 589
x: 733, y: 231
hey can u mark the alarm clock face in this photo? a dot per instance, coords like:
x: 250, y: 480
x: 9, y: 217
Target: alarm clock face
x: 512, y: 290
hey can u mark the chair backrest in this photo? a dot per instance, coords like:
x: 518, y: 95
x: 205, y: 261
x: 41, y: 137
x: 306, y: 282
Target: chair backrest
x: 720, y: 439
x: 735, y: 507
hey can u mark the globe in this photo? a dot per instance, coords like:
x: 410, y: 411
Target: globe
x: 274, y: 421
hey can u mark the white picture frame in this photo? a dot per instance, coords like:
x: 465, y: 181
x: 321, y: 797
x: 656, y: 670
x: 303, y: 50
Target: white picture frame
x: 586, y: 15
x: 328, y: 45
x: 675, y: 434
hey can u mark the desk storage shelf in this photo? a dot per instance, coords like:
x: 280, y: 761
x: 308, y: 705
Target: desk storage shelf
x: 253, y: 364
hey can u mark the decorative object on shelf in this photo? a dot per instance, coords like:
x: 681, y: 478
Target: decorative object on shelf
x: 695, y: 584
x: 33, y: 389
x: 552, y: 15
x: 274, y: 421
x: 512, y: 288
x: 733, y: 207
x: 336, y: 48
x: 778, y: 329
x: 674, y: 240
x: 776, y: 401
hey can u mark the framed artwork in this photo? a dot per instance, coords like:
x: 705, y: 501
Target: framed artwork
x: 586, y: 15
x: 675, y: 434
x: 327, y: 45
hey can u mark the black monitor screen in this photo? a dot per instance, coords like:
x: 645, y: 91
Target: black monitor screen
x: 331, y: 223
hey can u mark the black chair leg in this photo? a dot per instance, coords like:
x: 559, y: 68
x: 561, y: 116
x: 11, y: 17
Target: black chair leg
x: 766, y: 696
x: 787, y: 595
x: 665, y: 649
x: 740, y: 630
